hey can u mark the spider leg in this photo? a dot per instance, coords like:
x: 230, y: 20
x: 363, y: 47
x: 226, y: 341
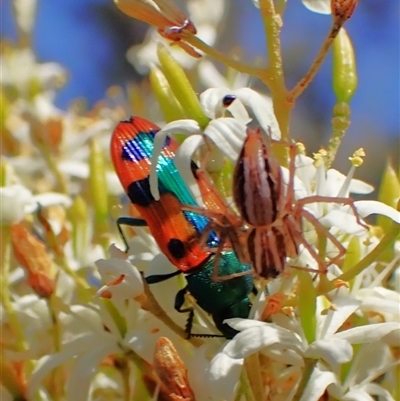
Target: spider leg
x: 332, y: 199
x: 299, y: 239
x: 323, y: 230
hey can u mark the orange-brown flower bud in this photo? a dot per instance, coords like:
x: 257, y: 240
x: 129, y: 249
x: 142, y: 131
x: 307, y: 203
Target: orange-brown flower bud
x: 171, y: 371
x: 342, y: 10
x: 31, y: 254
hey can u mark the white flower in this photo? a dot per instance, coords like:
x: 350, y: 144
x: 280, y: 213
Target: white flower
x: 122, y: 279
x: 330, y: 348
x: 19, y: 68
x: 16, y: 201
x: 226, y: 133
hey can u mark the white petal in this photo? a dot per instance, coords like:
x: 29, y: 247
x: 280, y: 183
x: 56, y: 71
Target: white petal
x: 15, y: 201
x: 262, y: 109
x: 211, y: 101
x: 357, y: 394
x: 122, y: 279
x: 366, y: 208
x: 344, y: 307
x: 344, y: 221
x: 372, y: 360
x: 49, y: 362
x: 368, y: 333
x: 228, y: 135
x: 239, y: 112
x: 183, y: 162
x: 187, y: 127
x: 257, y: 336
x: 360, y: 187
x: 305, y: 171
x: 83, y: 370
x: 317, y: 384
x: 336, y: 181
x: 318, y: 6
x: 379, y: 305
x: 224, y: 375
x: 75, y: 168
x: 376, y: 390
x: 53, y: 198
x: 334, y: 351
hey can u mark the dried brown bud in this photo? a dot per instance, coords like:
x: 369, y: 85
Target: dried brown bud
x: 342, y: 10
x: 171, y: 371
x: 32, y: 255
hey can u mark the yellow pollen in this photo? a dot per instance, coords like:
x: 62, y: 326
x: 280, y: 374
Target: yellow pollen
x: 356, y: 159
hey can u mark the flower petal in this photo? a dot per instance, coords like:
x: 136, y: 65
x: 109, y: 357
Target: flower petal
x: 318, y: 6
x: 344, y: 307
x: 183, y: 160
x: 256, y: 336
x: 317, y: 384
x: 187, y: 127
x: 368, y: 333
x: 262, y: 109
x: 224, y: 375
x: 228, y: 135
x: 344, y: 221
x: 366, y: 208
x: 334, y: 351
x: 83, y: 370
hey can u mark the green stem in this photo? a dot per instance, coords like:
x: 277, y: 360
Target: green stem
x: 125, y: 371
x: 340, y: 124
x: 60, y: 177
x: 57, y: 388
x: 308, y: 369
x: 200, y: 45
x: 253, y: 370
x: 273, y: 76
x: 245, y: 388
x: 388, y: 239
x: 307, y: 79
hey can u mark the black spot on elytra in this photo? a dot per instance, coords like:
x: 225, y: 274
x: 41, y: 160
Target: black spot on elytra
x: 176, y: 248
x: 139, y: 193
x: 228, y: 100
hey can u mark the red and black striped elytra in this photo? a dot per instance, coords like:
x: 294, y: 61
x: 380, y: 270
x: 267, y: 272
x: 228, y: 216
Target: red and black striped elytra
x: 177, y: 232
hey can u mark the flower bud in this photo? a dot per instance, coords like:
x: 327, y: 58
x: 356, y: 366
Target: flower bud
x: 170, y: 107
x: 171, y: 370
x: 388, y: 193
x: 31, y: 254
x: 181, y: 87
x: 342, y: 10
x: 344, y: 68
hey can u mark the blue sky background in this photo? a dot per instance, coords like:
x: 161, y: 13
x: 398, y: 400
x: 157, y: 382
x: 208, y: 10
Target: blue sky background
x: 90, y: 39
